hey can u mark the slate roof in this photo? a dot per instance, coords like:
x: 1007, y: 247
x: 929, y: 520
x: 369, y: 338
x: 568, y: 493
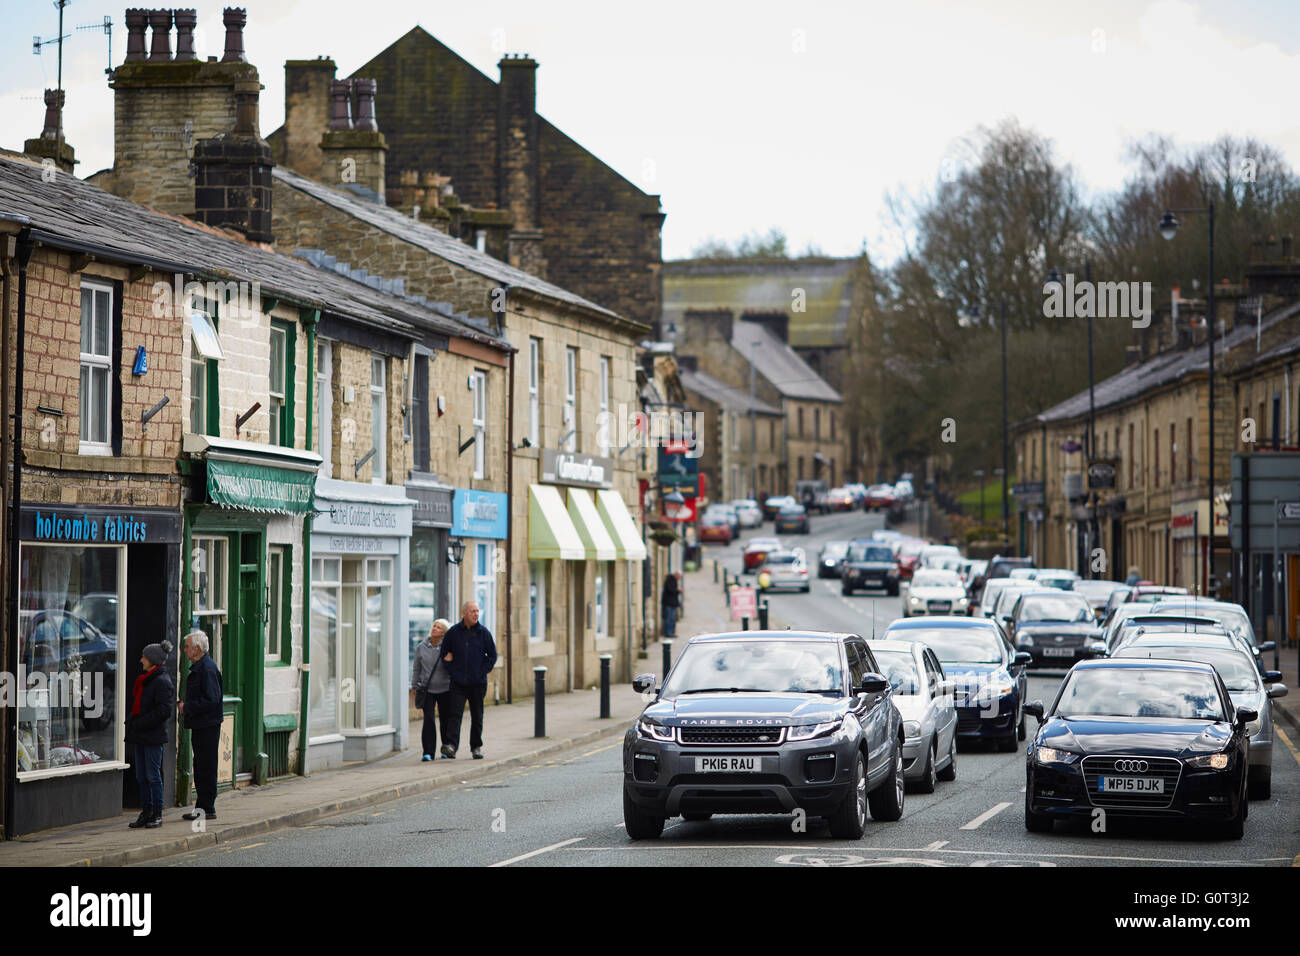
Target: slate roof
x: 69, y: 213
x: 1162, y: 369
x: 720, y: 393
x: 436, y: 242
x: 778, y: 363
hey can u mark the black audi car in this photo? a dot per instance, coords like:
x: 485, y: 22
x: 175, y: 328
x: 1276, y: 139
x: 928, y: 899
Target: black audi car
x: 1055, y: 628
x: 1139, y: 737
x: 869, y: 564
x: 766, y: 722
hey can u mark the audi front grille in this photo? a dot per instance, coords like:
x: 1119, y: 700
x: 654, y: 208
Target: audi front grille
x: 1166, y: 768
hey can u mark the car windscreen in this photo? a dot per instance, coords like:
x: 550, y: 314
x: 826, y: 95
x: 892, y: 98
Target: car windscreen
x: 1237, y: 670
x: 1055, y: 609
x: 835, y: 549
x: 781, y: 559
x: 870, y: 553
x: 954, y: 645
x: 1140, y: 692
x: 936, y: 579
x: 806, y: 667
x: 899, y: 668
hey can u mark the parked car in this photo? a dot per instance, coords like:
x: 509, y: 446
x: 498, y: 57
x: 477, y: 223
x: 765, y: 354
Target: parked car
x: 839, y: 499
x: 903, y: 491
x: 878, y: 497
x: 792, y: 519
x: 812, y: 494
x: 924, y: 698
x: 794, y: 731
x: 859, y: 492
x: 786, y: 570
x: 748, y: 512
x: 1056, y: 628
x: 830, y: 557
x: 715, y: 526
x: 757, y: 550
x: 908, y: 554
x: 728, y: 512
x: 869, y: 564
x: 935, y: 592
x: 1118, y: 598
x: 775, y: 503
x: 1140, y: 738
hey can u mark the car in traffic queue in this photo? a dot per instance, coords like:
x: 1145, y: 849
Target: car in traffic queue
x: 748, y: 513
x: 766, y: 722
x: 1151, y: 593
x: 933, y: 556
x: 869, y: 564
x: 839, y: 499
x: 878, y: 497
x: 1231, y: 616
x: 999, y: 567
x: 784, y: 570
x: 715, y: 527
x: 830, y: 557
x: 775, y: 503
x: 1236, y: 666
x: 756, y: 552
x: 935, y: 592
x: 1114, y: 621
x: 924, y: 698
x: 728, y: 512
x: 989, y: 675
x: 1006, y: 599
x: 993, y: 591
x: 859, y: 492
x: 811, y: 493
x: 1118, y: 598
x: 903, y: 491
x: 907, y: 555
x: 1139, y: 738
x: 1136, y: 625
x: 1097, y: 592
x: 1056, y: 628
x: 792, y: 519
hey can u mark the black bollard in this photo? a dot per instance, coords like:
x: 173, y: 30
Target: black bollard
x: 744, y: 623
x: 539, y: 701
x: 715, y: 572
x: 762, y: 615
x: 668, y: 656
x: 605, y: 660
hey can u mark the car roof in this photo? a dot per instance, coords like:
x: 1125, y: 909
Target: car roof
x: 1101, y: 663
x: 820, y: 636
x: 1188, y: 600
x: 1170, y: 621
x: 947, y: 623
x: 876, y: 644
x: 1161, y: 638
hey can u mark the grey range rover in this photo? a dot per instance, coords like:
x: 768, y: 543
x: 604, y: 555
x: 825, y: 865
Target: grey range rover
x: 766, y: 722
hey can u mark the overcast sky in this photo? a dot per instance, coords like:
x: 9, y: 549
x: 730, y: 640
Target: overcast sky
x: 755, y: 114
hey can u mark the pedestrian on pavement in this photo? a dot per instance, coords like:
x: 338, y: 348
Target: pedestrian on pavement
x: 201, y: 710
x: 671, y: 601
x: 470, y: 654
x: 430, y: 684
x: 146, y: 730
x: 1133, y: 576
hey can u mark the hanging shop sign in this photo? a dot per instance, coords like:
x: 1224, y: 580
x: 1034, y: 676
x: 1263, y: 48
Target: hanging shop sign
x: 572, y: 468
x: 432, y: 506
x: 479, y: 514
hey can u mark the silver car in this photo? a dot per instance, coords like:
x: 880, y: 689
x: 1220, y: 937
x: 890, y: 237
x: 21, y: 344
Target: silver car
x: 993, y: 589
x: 924, y: 698
x: 1229, y: 655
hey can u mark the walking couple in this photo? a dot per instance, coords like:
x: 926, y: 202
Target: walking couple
x: 450, y: 669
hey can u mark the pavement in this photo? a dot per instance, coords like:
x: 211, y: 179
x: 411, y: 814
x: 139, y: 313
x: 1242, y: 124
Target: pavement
x: 571, y: 719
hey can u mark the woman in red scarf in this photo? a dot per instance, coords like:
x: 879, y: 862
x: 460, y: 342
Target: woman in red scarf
x: 146, y: 730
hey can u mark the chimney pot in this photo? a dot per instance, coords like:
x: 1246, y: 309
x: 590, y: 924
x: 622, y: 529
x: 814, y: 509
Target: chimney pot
x: 185, y: 23
x: 341, y: 111
x: 137, y: 20
x: 161, y: 23
x: 53, y: 107
x: 235, y: 18
x: 366, y: 89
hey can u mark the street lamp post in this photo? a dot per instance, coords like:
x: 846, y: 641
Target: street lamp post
x: 979, y: 473
x: 1090, y: 445
x: 1006, y: 534
x: 1168, y: 229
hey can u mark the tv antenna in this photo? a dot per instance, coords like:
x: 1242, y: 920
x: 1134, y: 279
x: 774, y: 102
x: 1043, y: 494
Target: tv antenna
x: 37, y: 46
x: 107, y: 27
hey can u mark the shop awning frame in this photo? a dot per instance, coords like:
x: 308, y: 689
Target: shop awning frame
x: 551, y: 534
x: 618, y: 520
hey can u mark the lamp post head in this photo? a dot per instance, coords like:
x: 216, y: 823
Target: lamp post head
x: 1168, y: 225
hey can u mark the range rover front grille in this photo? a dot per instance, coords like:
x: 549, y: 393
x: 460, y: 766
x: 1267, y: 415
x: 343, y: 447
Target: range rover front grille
x: 748, y: 736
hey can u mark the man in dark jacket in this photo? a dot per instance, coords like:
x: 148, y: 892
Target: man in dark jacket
x: 201, y: 709
x: 470, y: 653
x: 671, y: 602
x: 146, y: 730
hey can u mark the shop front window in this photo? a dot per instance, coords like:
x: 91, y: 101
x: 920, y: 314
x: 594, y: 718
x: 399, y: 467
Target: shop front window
x: 379, y: 591
x: 71, y: 609
x: 425, y: 545
x: 536, y: 600
x: 208, y: 566
x: 602, y: 602
x: 323, y: 716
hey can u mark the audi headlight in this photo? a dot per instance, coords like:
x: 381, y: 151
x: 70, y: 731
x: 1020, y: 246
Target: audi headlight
x: 911, y: 728
x: 809, y: 731
x: 652, y: 731
x: 962, y: 600
x: 1209, y: 761
x: 913, y: 600
x: 1052, y: 755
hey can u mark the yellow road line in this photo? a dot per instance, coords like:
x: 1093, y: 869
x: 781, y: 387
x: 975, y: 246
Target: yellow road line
x: 251, y: 845
x: 1287, y: 740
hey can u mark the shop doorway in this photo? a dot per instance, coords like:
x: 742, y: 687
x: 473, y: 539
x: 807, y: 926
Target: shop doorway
x: 577, y: 623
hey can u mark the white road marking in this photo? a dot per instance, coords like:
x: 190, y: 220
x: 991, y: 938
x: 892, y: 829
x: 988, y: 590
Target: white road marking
x: 936, y: 845
x: 985, y: 817
x: 545, y: 849
x: 655, y: 848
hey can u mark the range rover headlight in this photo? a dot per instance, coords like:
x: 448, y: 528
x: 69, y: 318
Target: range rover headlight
x: 810, y: 731
x: 649, y: 730
x: 1209, y: 761
x: 1052, y: 755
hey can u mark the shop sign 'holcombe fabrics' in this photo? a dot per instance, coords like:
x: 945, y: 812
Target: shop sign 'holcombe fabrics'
x: 572, y: 468
x: 251, y: 487
x: 99, y: 525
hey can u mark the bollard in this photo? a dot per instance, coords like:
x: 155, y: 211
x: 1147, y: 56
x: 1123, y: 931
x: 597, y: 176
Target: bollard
x: 762, y: 615
x: 744, y: 623
x: 668, y: 656
x: 604, y: 685
x: 715, y: 572
x: 539, y: 701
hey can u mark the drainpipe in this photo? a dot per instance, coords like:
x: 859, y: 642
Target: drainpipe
x: 510, y: 499
x: 24, y: 255
x: 308, y: 318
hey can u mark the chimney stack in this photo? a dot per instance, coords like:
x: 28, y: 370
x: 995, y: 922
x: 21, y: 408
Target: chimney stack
x: 235, y: 19
x: 185, y: 23
x: 517, y: 161
x: 47, y: 145
x: 161, y: 23
x: 137, y: 20
x: 354, y: 156
x: 307, y: 112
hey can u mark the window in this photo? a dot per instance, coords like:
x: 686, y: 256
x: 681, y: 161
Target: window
x: 1033, y: 458
x: 71, y: 613
x: 800, y: 431
x: 325, y: 406
x: 1132, y: 462
x: 485, y: 584
x: 323, y: 696
x: 96, y: 368
x: 832, y: 416
x: 205, y: 354
x: 604, y: 403
x: 208, y: 567
x: 283, y: 341
x: 420, y: 414
x: 534, y: 392
x: 480, y: 424
x: 536, y: 600
x: 1173, y: 451
x: 278, y: 584
x: 1155, y: 458
x: 800, y: 465
x: 602, y: 599
x: 1191, y: 473
x: 378, y: 422
x: 771, y: 434
x: 378, y: 618
x: 735, y: 432
x: 817, y: 423
x: 571, y: 399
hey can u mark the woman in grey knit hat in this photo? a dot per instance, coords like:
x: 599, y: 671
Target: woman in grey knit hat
x: 152, y: 702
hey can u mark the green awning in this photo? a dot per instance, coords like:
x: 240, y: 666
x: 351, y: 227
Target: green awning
x: 613, y: 510
x: 551, y: 535
x: 263, y: 488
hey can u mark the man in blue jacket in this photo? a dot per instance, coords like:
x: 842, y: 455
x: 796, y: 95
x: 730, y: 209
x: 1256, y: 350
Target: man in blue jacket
x: 201, y: 710
x: 470, y: 653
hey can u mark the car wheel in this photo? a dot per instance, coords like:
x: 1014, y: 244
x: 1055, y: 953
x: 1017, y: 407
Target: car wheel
x: 640, y: 826
x: 1235, y: 828
x: 807, y: 588
x: 1008, y: 743
x: 1020, y: 729
x: 926, y: 783
x: 887, y: 799
x: 949, y: 773
x: 845, y: 590
x: 696, y: 817
x: 1036, y: 822
x: 849, y: 821
x: 892, y: 592
x: 1261, y: 783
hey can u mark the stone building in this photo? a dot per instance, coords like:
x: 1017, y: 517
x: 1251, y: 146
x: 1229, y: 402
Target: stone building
x: 739, y: 432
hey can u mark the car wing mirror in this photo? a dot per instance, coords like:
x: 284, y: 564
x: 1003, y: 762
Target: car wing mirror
x: 1272, y: 677
x: 873, y: 683
x: 1277, y: 690
x: 1022, y: 657
x: 1245, y: 715
x: 643, y: 683
x: 1034, y: 707
x: 1267, y: 646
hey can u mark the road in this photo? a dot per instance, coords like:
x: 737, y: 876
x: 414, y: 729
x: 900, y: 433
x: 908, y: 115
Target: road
x: 567, y: 811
